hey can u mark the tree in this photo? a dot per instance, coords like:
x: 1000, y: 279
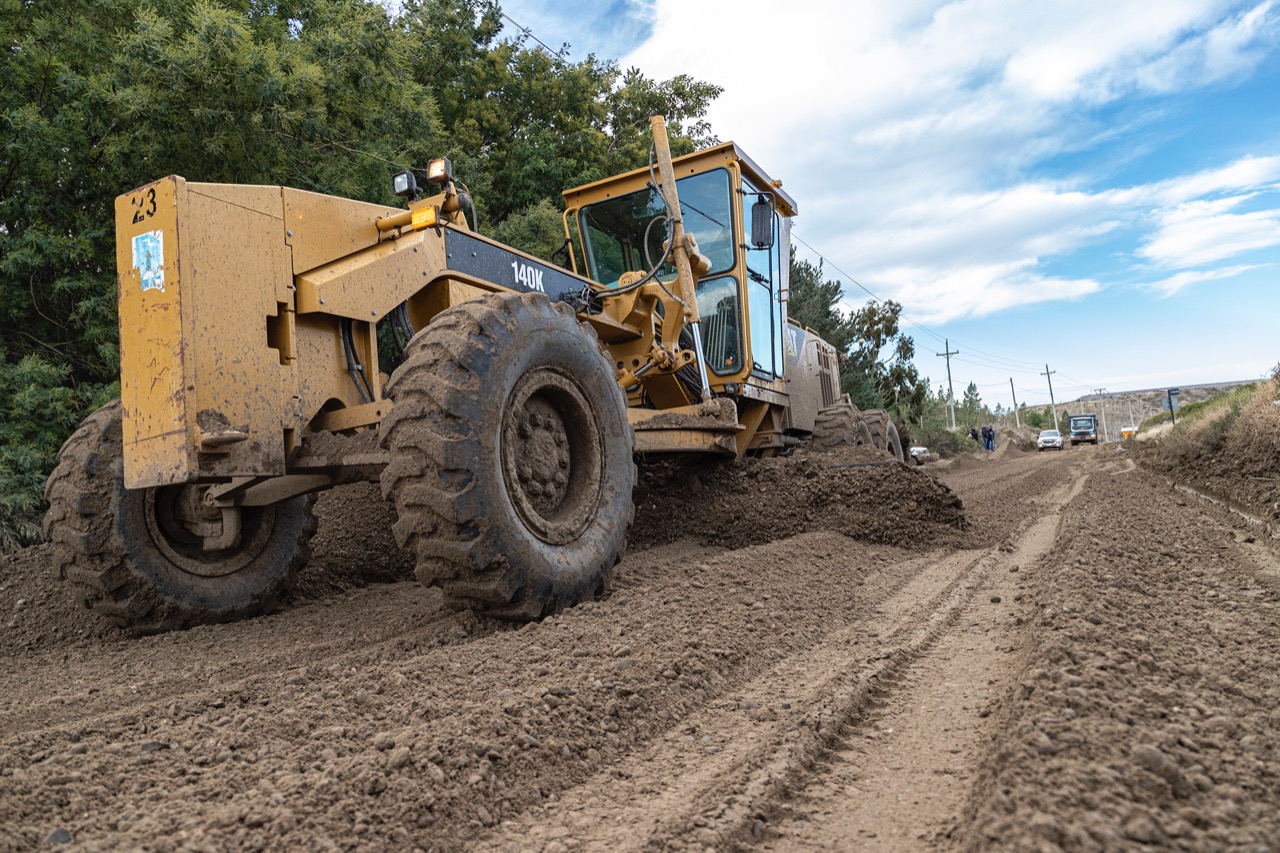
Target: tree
x: 876, y: 370
x: 971, y: 404
x: 102, y: 96
x: 813, y: 302
x: 527, y: 124
x: 885, y: 354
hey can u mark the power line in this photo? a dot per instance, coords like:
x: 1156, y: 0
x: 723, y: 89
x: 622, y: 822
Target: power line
x: 557, y: 55
x: 993, y: 360
x: 990, y: 359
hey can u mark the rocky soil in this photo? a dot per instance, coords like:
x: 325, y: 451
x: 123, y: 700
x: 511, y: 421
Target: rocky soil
x: 1013, y: 651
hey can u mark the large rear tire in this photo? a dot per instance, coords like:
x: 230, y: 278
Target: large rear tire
x: 839, y: 425
x: 510, y: 457
x: 135, y: 555
x: 884, y: 434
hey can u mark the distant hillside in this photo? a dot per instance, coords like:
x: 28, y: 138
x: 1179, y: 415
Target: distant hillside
x: 1116, y: 408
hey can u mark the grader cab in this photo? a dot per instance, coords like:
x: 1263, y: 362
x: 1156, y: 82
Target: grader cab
x: 505, y: 438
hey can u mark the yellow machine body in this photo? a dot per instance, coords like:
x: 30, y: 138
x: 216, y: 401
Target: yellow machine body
x: 248, y: 321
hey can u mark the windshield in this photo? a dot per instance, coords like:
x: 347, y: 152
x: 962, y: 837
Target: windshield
x: 1049, y: 433
x: 1082, y: 423
x: 626, y: 233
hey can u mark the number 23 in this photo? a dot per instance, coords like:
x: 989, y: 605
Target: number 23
x: 145, y: 204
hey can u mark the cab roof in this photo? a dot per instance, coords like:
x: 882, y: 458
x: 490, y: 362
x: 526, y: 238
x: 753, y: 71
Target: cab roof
x: 686, y: 164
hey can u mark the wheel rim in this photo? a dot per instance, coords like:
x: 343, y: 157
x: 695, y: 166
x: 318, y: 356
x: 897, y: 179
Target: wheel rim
x: 179, y: 523
x: 552, y: 455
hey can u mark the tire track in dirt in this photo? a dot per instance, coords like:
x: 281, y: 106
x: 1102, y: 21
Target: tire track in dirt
x: 435, y: 743
x: 380, y: 622
x: 741, y: 754
x: 1146, y: 717
x: 899, y: 778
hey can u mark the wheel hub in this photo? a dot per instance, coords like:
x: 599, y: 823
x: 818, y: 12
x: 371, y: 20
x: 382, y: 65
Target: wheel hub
x: 552, y: 455
x: 201, y: 538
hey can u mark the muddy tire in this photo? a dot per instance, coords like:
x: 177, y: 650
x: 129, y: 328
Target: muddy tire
x: 510, y: 457
x: 884, y: 434
x: 839, y: 425
x: 129, y: 558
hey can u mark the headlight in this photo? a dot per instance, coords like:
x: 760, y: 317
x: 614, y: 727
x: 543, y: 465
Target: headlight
x: 439, y: 171
x: 405, y: 184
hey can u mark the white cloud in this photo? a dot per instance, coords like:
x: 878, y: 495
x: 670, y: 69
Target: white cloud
x: 937, y: 295
x: 911, y: 133
x: 1174, y: 283
x: 1203, y: 232
x: 1244, y: 175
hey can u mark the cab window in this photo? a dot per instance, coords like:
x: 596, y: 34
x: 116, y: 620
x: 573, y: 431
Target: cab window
x: 764, y: 277
x: 626, y: 233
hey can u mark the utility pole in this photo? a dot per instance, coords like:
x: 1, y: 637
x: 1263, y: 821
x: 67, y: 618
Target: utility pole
x: 1132, y: 426
x: 951, y: 392
x: 1017, y: 419
x: 1101, y: 399
x: 1052, y: 403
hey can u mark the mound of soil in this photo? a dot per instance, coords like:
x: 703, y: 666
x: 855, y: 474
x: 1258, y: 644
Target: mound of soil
x: 353, y: 545
x: 858, y: 492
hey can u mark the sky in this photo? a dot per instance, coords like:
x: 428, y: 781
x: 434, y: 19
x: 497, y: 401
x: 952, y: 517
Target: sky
x: 1087, y: 188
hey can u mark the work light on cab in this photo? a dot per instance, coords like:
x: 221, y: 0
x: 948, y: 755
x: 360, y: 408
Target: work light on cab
x: 405, y: 185
x: 440, y: 171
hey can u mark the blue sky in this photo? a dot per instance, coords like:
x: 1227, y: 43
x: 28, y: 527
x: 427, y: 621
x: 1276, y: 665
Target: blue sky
x: 1092, y: 186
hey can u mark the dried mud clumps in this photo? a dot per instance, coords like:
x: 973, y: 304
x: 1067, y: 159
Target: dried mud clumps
x: 857, y: 492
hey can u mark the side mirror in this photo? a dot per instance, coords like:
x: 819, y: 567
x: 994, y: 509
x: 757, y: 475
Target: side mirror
x: 762, y: 223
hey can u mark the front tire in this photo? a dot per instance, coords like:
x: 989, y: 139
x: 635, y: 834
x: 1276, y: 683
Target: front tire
x: 132, y: 557
x: 510, y: 457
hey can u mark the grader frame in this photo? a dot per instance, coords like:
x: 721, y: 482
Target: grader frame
x: 250, y: 378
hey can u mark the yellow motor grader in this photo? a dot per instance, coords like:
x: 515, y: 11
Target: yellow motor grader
x: 506, y: 437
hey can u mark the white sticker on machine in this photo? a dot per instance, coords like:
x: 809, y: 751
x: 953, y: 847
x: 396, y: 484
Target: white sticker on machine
x: 148, y: 259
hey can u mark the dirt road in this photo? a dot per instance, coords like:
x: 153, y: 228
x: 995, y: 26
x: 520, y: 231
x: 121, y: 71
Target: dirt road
x: 1085, y: 661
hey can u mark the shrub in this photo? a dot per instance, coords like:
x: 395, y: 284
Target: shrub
x: 37, y: 410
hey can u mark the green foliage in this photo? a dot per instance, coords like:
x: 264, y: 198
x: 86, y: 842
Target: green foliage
x: 1034, y: 419
x: 34, y: 396
x: 812, y: 302
x: 1212, y: 407
x: 885, y: 354
x: 526, y: 125
x: 971, y: 404
x: 538, y: 230
x: 876, y: 370
x: 102, y: 96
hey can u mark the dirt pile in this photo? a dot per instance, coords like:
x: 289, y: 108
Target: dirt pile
x: 858, y: 493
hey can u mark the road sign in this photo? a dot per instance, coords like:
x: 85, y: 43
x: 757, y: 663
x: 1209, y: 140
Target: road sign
x: 1173, y: 392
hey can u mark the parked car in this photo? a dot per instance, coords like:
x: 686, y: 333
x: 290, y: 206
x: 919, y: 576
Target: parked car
x: 920, y: 454
x: 1049, y: 438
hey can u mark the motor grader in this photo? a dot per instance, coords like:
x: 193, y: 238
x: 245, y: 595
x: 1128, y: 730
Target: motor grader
x: 507, y: 436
